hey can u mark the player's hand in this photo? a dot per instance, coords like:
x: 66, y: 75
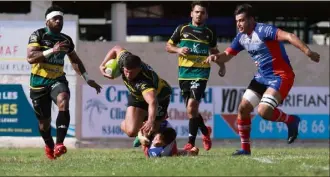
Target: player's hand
x: 314, y: 56
x: 209, y: 59
x: 61, y: 47
x: 148, y: 128
x: 222, y: 70
x: 102, y: 70
x: 183, y: 51
x: 93, y: 84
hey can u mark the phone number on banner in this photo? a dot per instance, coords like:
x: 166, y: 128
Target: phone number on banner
x: 309, y: 127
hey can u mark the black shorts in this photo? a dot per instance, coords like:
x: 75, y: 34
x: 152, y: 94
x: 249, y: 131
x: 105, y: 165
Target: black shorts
x: 161, y: 110
x: 42, y: 98
x: 194, y: 89
x: 257, y: 87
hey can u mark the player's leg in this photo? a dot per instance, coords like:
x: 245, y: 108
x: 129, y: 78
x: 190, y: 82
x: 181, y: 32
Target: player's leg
x: 250, y: 100
x: 206, y: 130
x: 42, y: 102
x: 192, y: 92
x: 60, y: 94
x: 192, y: 112
x: 136, y: 114
x: 268, y: 110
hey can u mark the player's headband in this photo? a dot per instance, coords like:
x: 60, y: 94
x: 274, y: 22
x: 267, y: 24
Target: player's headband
x: 53, y: 14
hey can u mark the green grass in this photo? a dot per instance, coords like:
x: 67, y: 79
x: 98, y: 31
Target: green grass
x: 124, y: 162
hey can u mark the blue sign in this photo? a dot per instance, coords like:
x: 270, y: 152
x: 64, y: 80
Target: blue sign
x: 310, y: 127
x: 17, y: 117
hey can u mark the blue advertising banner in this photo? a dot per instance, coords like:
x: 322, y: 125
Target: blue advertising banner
x: 17, y: 117
x: 311, y: 107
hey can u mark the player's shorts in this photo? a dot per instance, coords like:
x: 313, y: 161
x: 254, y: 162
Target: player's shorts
x: 42, y: 98
x: 260, y: 84
x: 161, y: 110
x: 194, y: 89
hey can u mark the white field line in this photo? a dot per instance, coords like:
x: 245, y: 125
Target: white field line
x: 315, y: 167
x: 263, y: 160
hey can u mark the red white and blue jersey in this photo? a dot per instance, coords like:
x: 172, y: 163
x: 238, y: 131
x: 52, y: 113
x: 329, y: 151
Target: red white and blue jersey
x: 168, y: 150
x: 267, y: 52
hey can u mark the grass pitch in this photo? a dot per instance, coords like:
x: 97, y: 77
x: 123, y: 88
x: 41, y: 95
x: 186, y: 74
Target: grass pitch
x: 131, y: 162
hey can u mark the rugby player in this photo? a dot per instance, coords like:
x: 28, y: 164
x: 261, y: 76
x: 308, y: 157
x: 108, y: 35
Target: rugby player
x: 46, y: 51
x: 275, y: 76
x: 193, y: 42
x: 163, y: 143
x: 149, y: 94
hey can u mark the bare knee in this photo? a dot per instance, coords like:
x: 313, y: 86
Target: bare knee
x: 129, y: 130
x: 244, y: 110
x: 265, y: 111
x: 192, y: 108
x: 62, y: 101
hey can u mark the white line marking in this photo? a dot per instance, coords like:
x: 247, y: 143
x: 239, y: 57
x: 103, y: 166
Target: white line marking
x: 314, y: 167
x: 263, y: 159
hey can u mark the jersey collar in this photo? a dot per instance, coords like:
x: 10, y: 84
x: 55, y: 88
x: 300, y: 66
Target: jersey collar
x: 197, y: 27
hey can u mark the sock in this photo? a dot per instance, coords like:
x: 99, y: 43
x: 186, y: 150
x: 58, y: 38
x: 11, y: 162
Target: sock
x: 280, y: 116
x: 202, y: 126
x: 244, y: 129
x: 47, y: 137
x: 62, y: 125
x: 193, y: 129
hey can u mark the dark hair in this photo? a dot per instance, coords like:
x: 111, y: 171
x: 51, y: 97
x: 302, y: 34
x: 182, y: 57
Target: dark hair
x: 168, y: 135
x: 244, y: 8
x: 132, y: 62
x: 53, y: 8
x: 204, y: 4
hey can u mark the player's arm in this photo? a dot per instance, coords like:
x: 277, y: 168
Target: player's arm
x: 80, y: 69
x: 34, y: 53
x: 150, y: 97
x: 228, y: 54
x: 214, y: 50
x: 171, y: 45
x: 295, y: 41
x: 112, y: 54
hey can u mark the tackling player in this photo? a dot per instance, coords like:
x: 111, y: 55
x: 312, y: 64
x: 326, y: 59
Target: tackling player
x: 274, y: 78
x: 149, y: 94
x: 46, y: 51
x: 193, y: 42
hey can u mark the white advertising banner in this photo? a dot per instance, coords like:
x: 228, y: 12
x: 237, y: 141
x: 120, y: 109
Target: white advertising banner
x: 14, y: 37
x: 102, y: 114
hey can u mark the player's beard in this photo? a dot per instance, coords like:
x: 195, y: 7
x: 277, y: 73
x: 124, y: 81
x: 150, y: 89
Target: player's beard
x: 57, y: 28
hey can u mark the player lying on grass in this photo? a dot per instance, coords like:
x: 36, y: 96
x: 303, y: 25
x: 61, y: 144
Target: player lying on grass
x: 163, y: 143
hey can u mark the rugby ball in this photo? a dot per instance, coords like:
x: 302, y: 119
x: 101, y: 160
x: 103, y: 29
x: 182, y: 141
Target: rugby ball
x: 112, y: 68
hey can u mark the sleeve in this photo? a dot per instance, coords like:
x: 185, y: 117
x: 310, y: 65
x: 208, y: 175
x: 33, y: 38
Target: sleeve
x: 213, y: 42
x: 145, y: 87
x: 34, y: 39
x: 175, y: 38
x: 72, y: 46
x: 267, y: 32
x: 235, y: 46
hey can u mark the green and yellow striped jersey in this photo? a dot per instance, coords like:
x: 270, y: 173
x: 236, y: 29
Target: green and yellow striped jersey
x: 50, y: 70
x: 199, y: 40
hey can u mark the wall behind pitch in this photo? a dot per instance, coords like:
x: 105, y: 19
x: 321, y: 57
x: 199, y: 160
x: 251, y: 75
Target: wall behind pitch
x: 239, y: 71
